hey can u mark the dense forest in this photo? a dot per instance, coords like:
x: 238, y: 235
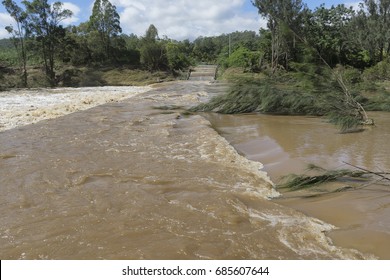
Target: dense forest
x: 320, y: 62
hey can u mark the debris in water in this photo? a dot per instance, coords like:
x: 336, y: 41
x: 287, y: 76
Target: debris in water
x: 295, y: 182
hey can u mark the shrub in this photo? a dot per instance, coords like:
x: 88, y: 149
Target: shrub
x: 379, y: 72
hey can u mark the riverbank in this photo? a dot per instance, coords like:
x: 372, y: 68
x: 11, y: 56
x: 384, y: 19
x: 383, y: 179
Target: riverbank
x: 69, y: 76
x: 138, y: 179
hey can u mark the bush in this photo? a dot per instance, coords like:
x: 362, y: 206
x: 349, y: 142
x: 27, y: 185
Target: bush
x: 178, y: 60
x: 242, y: 58
x: 379, y: 102
x: 379, y: 72
x: 352, y: 76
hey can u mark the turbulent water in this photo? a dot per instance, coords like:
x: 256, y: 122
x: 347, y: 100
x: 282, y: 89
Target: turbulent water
x: 287, y: 144
x: 137, y: 180
x: 21, y: 107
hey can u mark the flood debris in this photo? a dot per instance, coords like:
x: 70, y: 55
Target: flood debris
x: 294, y: 182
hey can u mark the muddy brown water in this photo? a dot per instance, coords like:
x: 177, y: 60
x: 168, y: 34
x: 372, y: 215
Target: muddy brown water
x: 138, y: 180
x: 287, y: 144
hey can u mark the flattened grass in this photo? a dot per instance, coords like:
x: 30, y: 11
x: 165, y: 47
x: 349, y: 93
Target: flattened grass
x: 283, y: 95
x: 309, y: 90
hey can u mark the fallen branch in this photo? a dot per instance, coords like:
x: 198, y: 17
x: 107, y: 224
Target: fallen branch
x: 295, y: 182
x: 369, y: 171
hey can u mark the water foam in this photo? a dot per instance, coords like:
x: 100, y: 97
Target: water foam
x: 297, y: 232
x: 22, y: 107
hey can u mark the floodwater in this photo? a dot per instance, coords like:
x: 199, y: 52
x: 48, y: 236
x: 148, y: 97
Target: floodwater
x: 286, y: 144
x: 21, y: 107
x: 136, y: 179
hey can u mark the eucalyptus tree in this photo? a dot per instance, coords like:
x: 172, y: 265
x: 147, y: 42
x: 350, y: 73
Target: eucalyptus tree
x: 105, y: 23
x: 348, y: 112
x: 283, y: 16
x: 151, y: 33
x: 206, y: 49
x: 153, y: 51
x: 327, y: 30
x: 371, y: 27
x: 44, y: 25
x: 177, y: 56
x: 19, y: 34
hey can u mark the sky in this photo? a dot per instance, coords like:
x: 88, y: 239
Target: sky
x: 176, y: 19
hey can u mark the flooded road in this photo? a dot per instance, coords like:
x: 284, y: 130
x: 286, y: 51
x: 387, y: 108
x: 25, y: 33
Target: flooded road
x: 138, y: 180
x: 286, y: 144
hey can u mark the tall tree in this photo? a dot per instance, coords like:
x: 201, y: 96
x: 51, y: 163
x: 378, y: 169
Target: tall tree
x: 372, y: 28
x: 151, y: 33
x: 278, y: 12
x: 44, y: 23
x: 18, y: 35
x: 105, y: 21
x: 177, y: 57
x: 328, y: 29
x: 153, y: 51
x: 282, y: 15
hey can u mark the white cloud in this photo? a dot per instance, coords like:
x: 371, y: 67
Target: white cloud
x: 75, y: 10
x: 182, y: 19
x: 354, y: 5
x: 5, y: 20
x: 177, y: 19
x: 3, y: 33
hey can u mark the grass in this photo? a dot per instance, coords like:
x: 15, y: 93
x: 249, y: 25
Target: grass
x: 376, y: 96
x: 121, y: 77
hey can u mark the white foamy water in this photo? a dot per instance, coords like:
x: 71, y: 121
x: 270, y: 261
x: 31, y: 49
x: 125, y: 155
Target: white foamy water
x: 21, y: 107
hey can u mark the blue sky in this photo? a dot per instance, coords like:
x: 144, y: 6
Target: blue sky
x: 177, y: 19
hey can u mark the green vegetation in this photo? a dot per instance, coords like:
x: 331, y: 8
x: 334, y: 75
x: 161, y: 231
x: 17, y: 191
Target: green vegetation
x: 295, y: 182
x: 295, y: 93
x: 87, y: 54
x: 104, y: 25
x: 307, y: 89
x: 328, y: 62
x: 18, y: 36
x: 356, y: 177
